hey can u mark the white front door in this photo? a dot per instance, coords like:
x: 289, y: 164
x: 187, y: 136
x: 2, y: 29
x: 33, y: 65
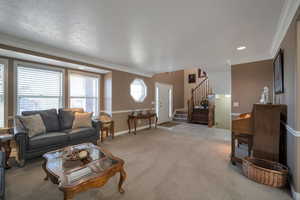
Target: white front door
x: 163, y: 102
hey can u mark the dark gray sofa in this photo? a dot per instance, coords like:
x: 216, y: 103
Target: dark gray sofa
x: 2, y: 175
x: 59, y: 133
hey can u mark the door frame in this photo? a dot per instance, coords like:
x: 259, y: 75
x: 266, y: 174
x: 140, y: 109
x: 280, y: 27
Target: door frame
x: 171, y: 99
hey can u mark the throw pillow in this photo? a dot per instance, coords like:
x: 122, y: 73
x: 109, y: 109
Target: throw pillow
x: 50, y: 118
x: 74, y: 109
x: 33, y: 124
x: 82, y: 120
x: 66, y: 117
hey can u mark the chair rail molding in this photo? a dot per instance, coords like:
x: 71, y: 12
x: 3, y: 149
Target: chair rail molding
x: 133, y: 110
x: 292, y: 131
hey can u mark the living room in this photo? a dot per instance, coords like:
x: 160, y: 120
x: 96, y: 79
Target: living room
x: 149, y: 100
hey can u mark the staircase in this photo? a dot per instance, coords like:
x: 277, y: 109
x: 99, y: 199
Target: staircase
x: 201, y: 105
x: 181, y: 116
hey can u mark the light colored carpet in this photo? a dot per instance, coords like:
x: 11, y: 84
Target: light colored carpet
x: 189, y: 162
x: 169, y: 124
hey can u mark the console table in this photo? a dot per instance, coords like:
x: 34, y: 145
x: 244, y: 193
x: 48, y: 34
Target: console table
x: 135, y: 118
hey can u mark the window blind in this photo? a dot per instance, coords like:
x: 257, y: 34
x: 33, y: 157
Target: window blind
x: 84, y: 92
x: 1, y: 95
x: 38, y: 89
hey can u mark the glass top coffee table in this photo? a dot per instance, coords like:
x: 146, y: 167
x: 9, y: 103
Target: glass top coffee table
x: 81, y: 167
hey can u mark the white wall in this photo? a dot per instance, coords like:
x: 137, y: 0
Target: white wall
x: 223, y: 111
x: 220, y: 81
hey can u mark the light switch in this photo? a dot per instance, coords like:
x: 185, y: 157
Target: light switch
x: 236, y: 104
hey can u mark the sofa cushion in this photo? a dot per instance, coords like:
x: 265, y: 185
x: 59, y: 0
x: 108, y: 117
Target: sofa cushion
x: 79, y: 133
x: 66, y: 117
x: 48, y: 139
x: 49, y: 117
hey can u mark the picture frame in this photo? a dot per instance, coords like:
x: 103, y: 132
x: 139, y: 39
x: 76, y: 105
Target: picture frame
x: 192, y: 78
x: 278, y: 65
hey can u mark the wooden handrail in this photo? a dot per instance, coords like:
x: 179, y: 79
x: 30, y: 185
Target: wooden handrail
x: 206, y: 78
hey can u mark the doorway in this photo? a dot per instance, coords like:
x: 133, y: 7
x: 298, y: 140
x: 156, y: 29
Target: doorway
x: 164, y: 102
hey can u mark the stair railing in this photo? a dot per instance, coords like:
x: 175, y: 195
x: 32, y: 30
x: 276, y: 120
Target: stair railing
x: 199, y: 93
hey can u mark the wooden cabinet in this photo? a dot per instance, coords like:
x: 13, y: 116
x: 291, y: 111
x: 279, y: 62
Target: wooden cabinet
x: 265, y: 131
x: 200, y: 115
x: 269, y: 139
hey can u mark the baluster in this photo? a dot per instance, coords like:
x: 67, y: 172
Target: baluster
x: 206, y: 88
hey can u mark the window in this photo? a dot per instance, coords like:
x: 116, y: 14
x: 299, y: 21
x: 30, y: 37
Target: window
x: 38, y: 88
x: 84, y: 92
x: 138, y: 90
x: 2, y: 114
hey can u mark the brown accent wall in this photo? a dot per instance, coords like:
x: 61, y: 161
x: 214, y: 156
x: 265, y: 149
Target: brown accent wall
x: 122, y: 101
x: 247, y: 82
x: 177, y: 80
x: 291, y: 98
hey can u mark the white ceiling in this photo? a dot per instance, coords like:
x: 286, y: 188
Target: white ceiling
x: 145, y: 36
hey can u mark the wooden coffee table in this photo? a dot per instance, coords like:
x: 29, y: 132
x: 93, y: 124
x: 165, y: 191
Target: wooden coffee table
x: 74, y: 176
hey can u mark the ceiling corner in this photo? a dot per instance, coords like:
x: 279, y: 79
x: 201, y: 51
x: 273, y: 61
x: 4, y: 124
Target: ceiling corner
x: 286, y: 17
x: 51, y: 51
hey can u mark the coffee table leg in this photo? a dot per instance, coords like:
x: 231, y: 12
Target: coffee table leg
x: 44, y: 168
x: 68, y: 196
x: 122, y: 179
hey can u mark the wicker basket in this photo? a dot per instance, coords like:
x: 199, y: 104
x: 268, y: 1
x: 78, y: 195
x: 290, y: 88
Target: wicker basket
x: 265, y: 172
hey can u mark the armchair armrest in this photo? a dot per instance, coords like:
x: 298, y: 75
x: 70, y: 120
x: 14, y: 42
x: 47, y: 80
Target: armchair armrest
x: 22, y: 141
x: 97, y: 125
x: 2, y: 159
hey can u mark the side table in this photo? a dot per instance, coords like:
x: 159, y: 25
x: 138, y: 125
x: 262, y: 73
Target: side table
x: 134, y: 118
x: 5, y: 139
x: 107, y: 127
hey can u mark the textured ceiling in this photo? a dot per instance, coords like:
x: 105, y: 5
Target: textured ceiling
x: 149, y: 36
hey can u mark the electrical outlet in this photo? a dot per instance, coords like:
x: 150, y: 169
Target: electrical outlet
x: 236, y: 104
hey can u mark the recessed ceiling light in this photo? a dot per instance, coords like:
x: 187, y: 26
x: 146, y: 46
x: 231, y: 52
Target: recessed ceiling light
x: 241, y: 48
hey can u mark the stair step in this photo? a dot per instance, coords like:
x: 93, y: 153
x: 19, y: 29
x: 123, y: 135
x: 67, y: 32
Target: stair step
x: 179, y: 119
x: 180, y: 115
x: 181, y: 112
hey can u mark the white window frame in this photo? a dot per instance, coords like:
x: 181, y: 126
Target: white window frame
x: 146, y: 90
x: 38, y: 66
x: 5, y: 63
x: 84, y: 74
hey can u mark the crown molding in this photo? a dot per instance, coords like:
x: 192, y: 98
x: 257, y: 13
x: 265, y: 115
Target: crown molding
x: 14, y: 42
x: 287, y: 14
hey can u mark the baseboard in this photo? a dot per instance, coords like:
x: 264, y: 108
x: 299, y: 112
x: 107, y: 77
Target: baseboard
x: 137, y: 128
x: 296, y: 195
